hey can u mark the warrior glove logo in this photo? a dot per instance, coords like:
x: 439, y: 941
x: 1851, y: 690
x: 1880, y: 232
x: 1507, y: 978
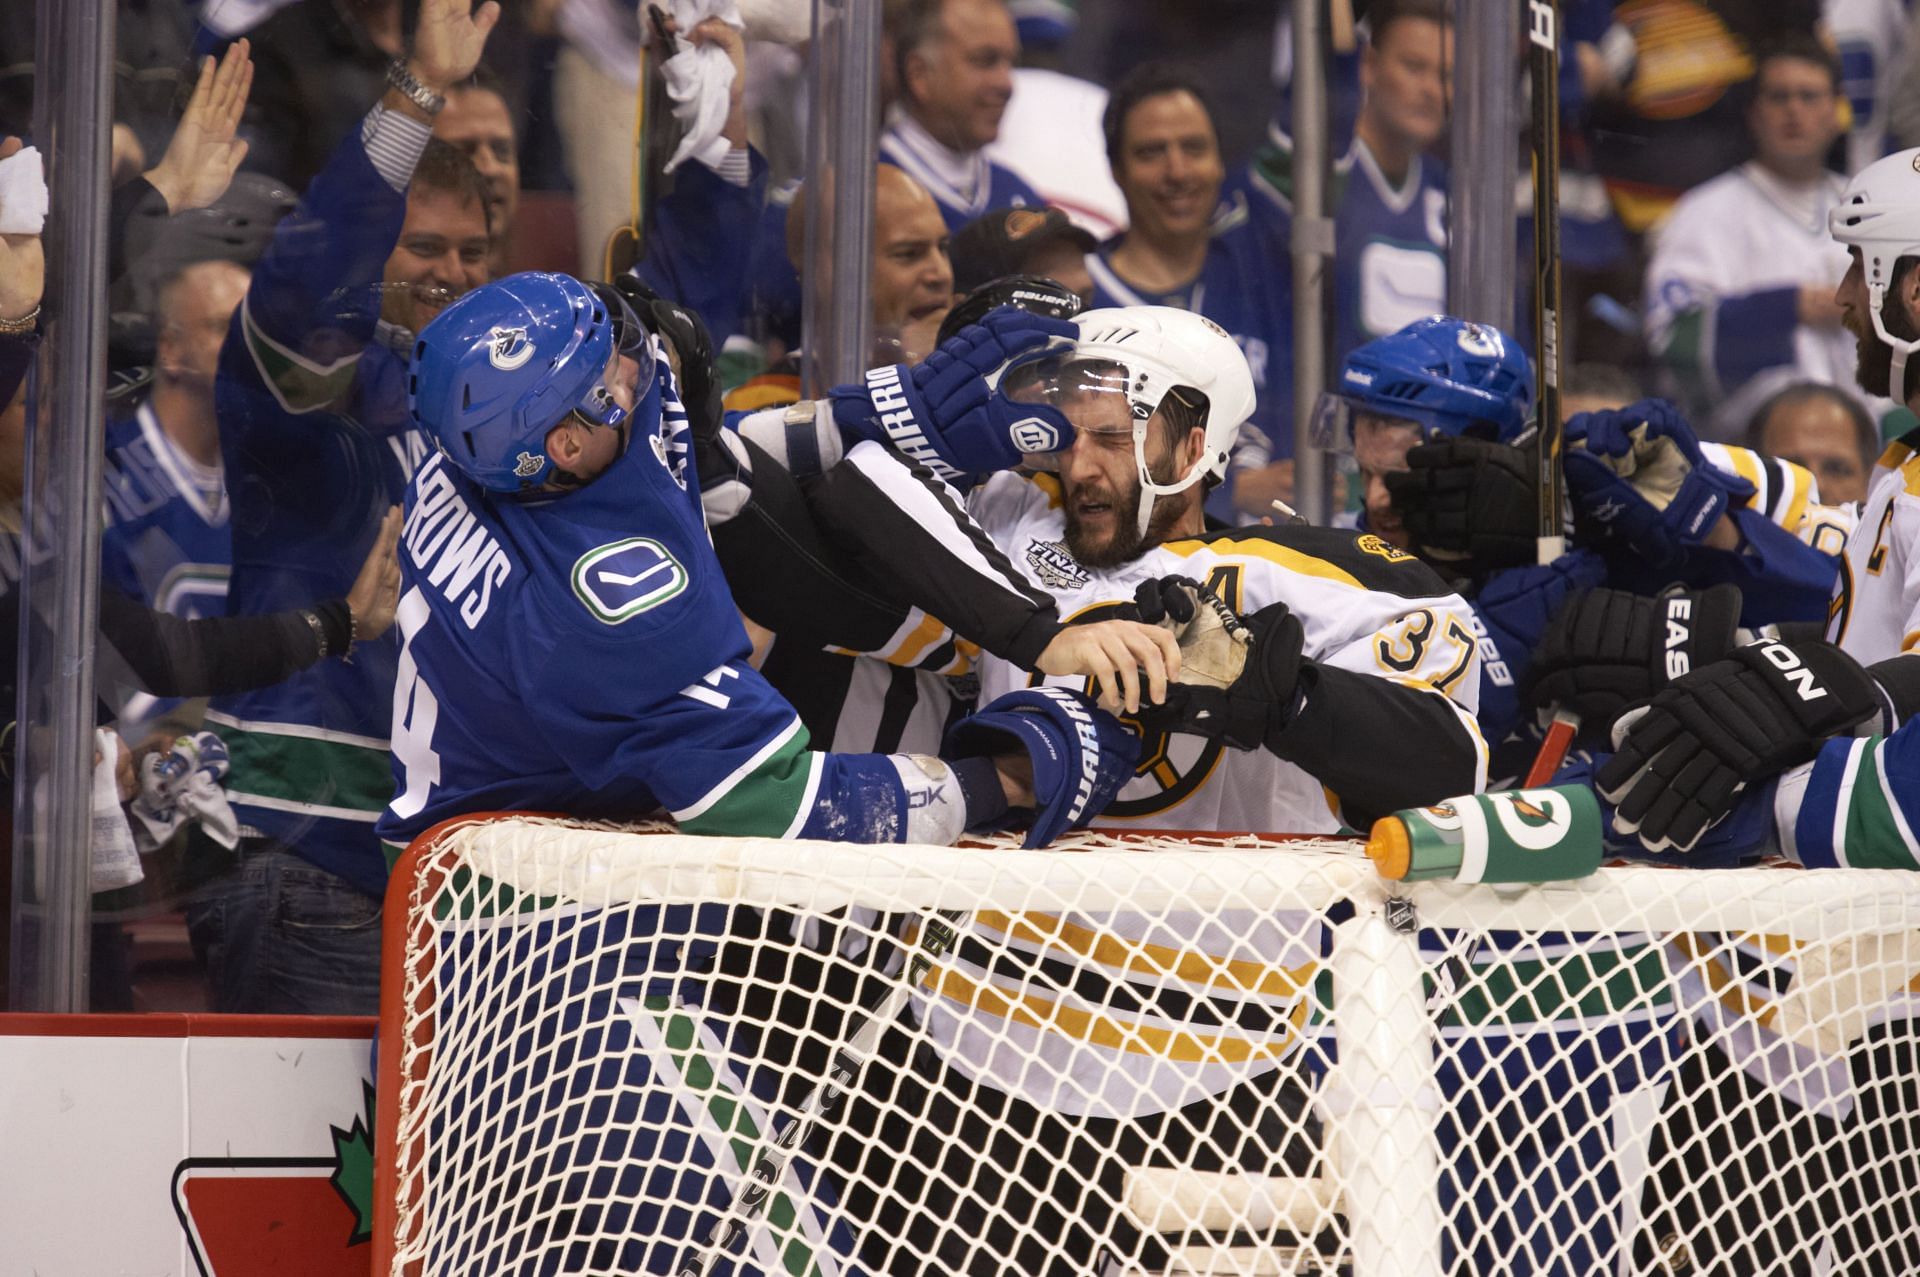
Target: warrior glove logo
x: 1032, y: 434
x: 508, y: 348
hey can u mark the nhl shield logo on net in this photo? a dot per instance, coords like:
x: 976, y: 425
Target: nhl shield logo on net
x: 508, y: 348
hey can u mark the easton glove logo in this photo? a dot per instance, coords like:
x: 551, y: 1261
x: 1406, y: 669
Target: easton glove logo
x: 1784, y: 659
x: 1679, y: 612
x: 508, y: 348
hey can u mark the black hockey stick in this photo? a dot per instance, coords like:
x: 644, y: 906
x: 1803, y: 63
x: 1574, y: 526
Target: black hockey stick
x: 771, y: 1159
x: 1543, y: 33
x: 1543, y: 22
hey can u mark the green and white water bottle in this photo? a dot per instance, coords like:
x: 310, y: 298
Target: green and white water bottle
x: 1520, y: 835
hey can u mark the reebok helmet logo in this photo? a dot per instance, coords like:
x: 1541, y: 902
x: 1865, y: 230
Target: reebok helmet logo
x: 1033, y: 434
x: 508, y: 348
x: 1477, y: 339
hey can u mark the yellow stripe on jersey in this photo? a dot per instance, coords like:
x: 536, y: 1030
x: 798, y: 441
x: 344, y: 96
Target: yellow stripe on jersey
x: 1286, y: 556
x: 1802, y: 493
x: 1049, y: 484
x: 1895, y: 455
x: 1112, y: 1032
x: 1747, y: 466
x: 1912, y: 640
x: 1142, y: 958
x: 912, y: 647
x: 1728, y: 988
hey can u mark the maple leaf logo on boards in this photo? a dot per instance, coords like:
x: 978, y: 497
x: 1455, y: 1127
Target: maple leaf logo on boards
x: 290, y: 1216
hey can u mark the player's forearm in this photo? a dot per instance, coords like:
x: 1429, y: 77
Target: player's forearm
x: 1379, y: 745
x: 1855, y: 806
x: 905, y: 527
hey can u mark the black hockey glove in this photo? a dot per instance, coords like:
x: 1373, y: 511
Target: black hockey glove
x: 1681, y: 761
x: 1607, y: 649
x: 697, y: 379
x: 1239, y: 676
x: 1471, y: 501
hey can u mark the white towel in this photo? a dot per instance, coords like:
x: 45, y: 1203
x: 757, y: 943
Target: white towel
x: 23, y: 193
x: 699, y: 81
x: 166, y: 802
x: 115, y: 863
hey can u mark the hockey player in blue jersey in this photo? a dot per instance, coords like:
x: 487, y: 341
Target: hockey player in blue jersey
x: 554, y: 536
x: 1437, y: 417
x: 569, y: 644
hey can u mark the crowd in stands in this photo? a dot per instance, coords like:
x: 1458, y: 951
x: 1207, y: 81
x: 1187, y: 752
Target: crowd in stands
x: 301, y: 185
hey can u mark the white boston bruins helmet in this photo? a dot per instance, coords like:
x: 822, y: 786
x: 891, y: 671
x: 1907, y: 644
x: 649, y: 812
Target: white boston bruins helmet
x: 1879, y: 214
x: 1134, y: 358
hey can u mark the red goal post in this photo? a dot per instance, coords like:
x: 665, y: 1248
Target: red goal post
x: 1452, y: 1043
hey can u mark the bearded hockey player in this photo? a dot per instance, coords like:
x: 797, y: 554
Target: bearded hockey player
x: 1357, y: 697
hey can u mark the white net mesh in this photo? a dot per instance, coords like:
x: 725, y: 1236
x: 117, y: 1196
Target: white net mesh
x: 624, y: 1052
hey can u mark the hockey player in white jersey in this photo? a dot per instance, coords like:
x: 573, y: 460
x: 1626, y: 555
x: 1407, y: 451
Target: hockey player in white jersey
x: 1358, y: 699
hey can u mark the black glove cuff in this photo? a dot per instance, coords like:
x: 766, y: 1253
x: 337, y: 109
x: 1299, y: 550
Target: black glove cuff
x: 1899, y: 683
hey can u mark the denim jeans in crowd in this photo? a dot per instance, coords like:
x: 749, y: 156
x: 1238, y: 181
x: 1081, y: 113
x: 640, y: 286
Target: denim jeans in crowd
x: 282, y: 936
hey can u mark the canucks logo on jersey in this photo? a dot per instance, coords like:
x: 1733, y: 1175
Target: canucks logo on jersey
x: 618, y: 582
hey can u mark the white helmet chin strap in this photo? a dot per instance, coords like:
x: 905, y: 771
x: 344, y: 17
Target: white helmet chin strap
x: 1151, y: 491
x: 1897, y: 376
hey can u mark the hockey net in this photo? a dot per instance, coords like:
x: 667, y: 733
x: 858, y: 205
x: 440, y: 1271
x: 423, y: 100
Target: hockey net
x: 619, y: 1050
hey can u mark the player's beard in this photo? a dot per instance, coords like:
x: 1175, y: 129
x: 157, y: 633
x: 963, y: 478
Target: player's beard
x: 1126, y: 542
x: 1873, y: 358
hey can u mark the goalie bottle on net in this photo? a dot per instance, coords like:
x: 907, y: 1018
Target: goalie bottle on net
x: 1522, y: 835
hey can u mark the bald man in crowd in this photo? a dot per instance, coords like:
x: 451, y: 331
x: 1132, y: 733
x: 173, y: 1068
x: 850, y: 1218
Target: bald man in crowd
x: 1823, y: 428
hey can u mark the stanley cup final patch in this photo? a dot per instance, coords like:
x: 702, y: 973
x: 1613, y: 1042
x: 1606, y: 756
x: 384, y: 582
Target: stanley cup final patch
x: 1055, y: 565
x: 621, y: 580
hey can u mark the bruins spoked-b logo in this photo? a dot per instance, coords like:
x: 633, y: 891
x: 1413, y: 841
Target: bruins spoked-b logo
x: 1172, y: 764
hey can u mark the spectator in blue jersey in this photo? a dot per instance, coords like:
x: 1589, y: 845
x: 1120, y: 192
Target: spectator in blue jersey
x: 1388, y: 198
x: 953, y: 62
x: 166, y: 541
x: 317, y: 444
x: 909, y: 284
x: 1185, y: 248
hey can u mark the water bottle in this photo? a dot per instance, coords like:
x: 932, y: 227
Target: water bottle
x: 1522, y: 835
